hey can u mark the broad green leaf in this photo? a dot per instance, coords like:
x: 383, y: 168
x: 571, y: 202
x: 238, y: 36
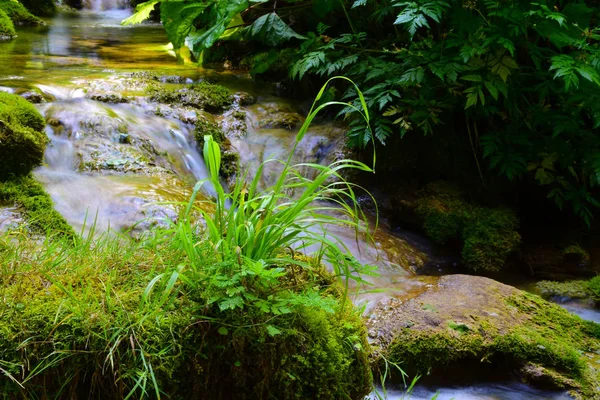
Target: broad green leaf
x: 272, y: 31
x: 178, y: 19
x: 213, y: 23
x: 142, y: 13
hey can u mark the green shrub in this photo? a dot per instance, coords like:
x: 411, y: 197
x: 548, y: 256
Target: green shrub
x: 487, y: 235
x: 18, y: 13
x: 22, y: 140
x: 7, y: 28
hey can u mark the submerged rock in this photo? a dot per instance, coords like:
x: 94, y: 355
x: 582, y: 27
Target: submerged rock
x: 477, y: 325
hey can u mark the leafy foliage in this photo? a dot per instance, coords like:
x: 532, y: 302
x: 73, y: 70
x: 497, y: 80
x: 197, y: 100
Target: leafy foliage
x: 519, y: 80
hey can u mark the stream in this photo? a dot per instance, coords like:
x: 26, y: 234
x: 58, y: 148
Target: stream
x: 115, y: 164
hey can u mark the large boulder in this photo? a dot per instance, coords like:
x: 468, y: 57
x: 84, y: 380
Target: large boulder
x: 22, y: 137
x: 475, y: 326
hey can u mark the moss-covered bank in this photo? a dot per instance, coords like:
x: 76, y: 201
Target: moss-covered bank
x: 7, y: 28
x: 579, y: 289
x: 22, y: 137
x: 468, y: 321
x: 37, y: 206
x: 80, y: 321
x: 18, y: 13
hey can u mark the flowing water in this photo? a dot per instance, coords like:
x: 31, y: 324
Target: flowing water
x: 121, y: 163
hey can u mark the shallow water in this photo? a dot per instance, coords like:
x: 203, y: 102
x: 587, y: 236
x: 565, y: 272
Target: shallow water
x: 495, y: 391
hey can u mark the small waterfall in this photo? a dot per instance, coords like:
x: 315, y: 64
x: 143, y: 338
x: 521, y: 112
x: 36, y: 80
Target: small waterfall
x: 105, y: 5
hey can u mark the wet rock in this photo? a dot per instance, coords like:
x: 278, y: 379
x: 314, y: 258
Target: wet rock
x: 234, y: 123
x: 173, y: 79
x: 109, y: 97
x: 110, y: 156
x: 244, y: 99
x: 280, y: 120
x: 469, y: 323
x: 537, y: 375
x: 33, y: 97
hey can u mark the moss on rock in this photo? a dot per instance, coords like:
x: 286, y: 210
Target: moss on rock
x: 82, y: 313
x: 18, y: 13
x: 501, y: 327
x: 578, y: 289
x: 487, y: 235
x: 203, y: 95
x: 37, y: 206
x: 230, y: 159
x: 7, y: 29
x: 22, y: 140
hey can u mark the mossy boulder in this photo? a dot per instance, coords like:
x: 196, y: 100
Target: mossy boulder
x: 488, y: 236
x: 36, y: 206
x: 18, y: 13
x: 22, y: 137
x: 467, y: 321
x: 77, y: 321
x: 7, y: 28
x: 203, y: 96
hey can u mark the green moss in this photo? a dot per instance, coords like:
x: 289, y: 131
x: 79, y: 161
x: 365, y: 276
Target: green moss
x: 487, y: 235
x: 37, y: 206
x: 7, y: 28
x: 205, y: 126
x: 230, y: 163
x: 18, y: 13
x: 230, y: 159
x: 578, y: 289
x: 78, y: 319
x: 203, y: 95
x: 594, y: 287
x: 22, y: 140
x: 546, y: 334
